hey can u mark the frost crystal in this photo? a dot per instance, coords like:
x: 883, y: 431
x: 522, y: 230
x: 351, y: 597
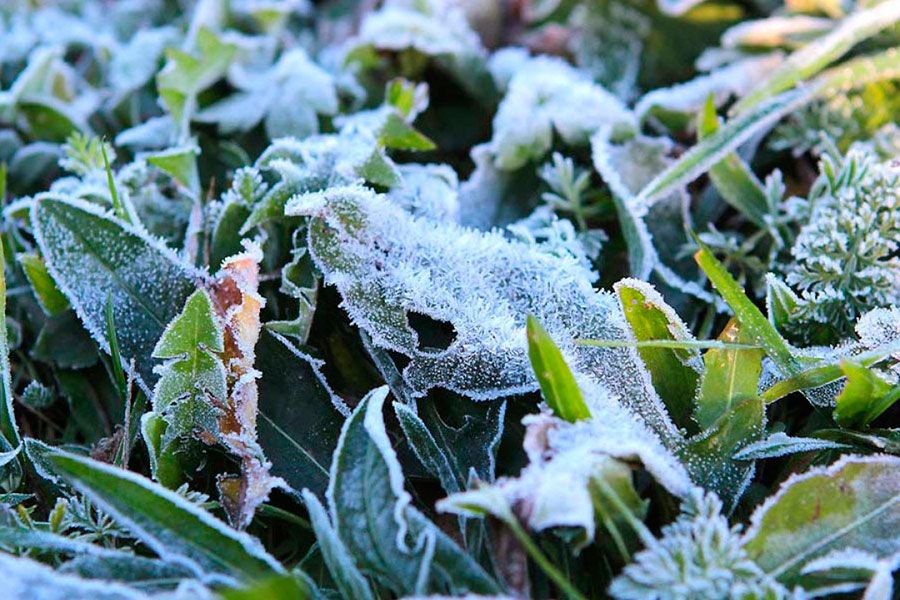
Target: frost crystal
x: 699, y: 556
x: 845, y: 254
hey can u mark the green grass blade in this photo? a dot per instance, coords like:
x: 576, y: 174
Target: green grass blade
x: 557, y: 383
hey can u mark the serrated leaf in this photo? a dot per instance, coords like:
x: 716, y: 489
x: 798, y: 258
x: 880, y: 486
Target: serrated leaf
x: 90, y: 254
x: 174, y: 528
x: 558, y: 385
x: 650, y: 318
x: 865, y: 396
x: 851, y: 504
x: 729, y: 376
x: 299, y: 418
x: 48, y: 295
x: 390, y: 540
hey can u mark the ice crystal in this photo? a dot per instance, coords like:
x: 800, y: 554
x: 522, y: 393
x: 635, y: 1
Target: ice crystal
x: 845, y: 254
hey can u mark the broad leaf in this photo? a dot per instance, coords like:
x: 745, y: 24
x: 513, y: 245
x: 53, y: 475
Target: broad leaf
x: 174, y: 528
x: 851, y: 504
x: 299, y: 418
x: 90, y: 254
x: 729, y: 376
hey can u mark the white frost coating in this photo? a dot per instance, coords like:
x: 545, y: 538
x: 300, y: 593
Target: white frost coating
x: 781, y: 444
x: 387, y: 264
x: 734, y: 80
x: 880, y: 328
x: 433, y: 27
x: 547, y: 95
x: 626, y: 168
x: 24, y: 578
x: 776, y: 30
x: 249, y: 543
x: 676, y: 7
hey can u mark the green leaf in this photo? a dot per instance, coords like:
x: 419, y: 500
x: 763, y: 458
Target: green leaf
x: 390, y: 540
x: 814, y: 56
x: 865, y: 396
x: 180, y: 163
x: 558, y: 385
x: 347, y: 577
x: 166, y: 522
x: 781, y: 444
x: 852, y: 504
x: 276, y: 587
x: 732, y: 177
x: 90, y: 254
x: 186, y: 75
x: 180, y: 398
x: 729, y: 376
x: 781, y: 303
x: 299, y: 419
x: 50, y: 118
x: 52, y: 301
x: 670, y: 369
x: 400, y: 135
x: 754, y: 325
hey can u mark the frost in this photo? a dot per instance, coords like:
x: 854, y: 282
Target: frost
x: 481, y: 283
x: 733, y: 80
x: 654, y: 234
x: 433, y: 27
x: 781, y: 444
x: 774, y: 31
x: 26, y: 578
x: 288, y: 96
x: 429, y: 191
x: 555, y: 489
x: 845, y: 254
x: 547, y: 95
x: 699, y: 556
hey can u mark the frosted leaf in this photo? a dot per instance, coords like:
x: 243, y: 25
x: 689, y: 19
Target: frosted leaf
x: 482, y: 284
x: 656, y: 234
x: 547, y: 95
x: 135, y: 63
x: 546, y: 232
x: 735, y: 79
x: 781, y: 444
x: 289, y: 95
x: 433, y: 27
x: 880, y: 328
x: 91, y: 254
x: 775, y: 31
x: 492, y: 197
x: 26, y: 578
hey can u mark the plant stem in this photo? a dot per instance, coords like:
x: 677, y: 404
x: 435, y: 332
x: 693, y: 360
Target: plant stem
x: 541, y: 560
